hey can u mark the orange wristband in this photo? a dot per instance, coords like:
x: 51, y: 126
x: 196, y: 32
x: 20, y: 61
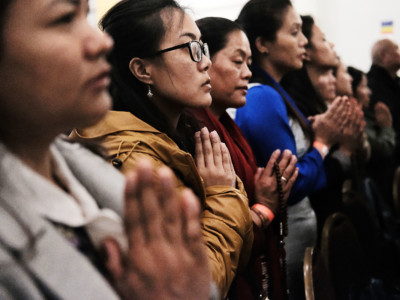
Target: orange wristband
x: 266, y: 212
x: 321, y: 147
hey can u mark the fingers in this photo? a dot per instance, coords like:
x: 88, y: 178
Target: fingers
x: 290, y: 168
x: 190, y: 208
x: 150, y: 206
x: 132, y: 218
x: 269, y: 169
x: 172, y: 222
x: 332, y: 110
x: 339, y: 111
x: 258, y: 174
x: 343, y: 114
x: 216, y: 147
x: 200, y: 161
x: 381, y: 108
x: 113, y: 258
x: 227, y: 161
x: 285, y: 159
x: 207, y: 147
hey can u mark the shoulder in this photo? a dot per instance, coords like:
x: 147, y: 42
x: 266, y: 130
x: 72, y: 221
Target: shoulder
x: 262, y: 90
x: 262, y: 101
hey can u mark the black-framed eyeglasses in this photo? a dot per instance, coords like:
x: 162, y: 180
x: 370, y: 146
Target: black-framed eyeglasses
x: 196, y: 50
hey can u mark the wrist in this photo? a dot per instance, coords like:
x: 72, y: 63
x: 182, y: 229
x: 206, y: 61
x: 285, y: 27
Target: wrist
x: 322, y: 148
x: 264, y: 213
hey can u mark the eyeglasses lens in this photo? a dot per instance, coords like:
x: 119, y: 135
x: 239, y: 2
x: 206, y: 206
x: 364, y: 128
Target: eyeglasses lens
x: 196, y: 51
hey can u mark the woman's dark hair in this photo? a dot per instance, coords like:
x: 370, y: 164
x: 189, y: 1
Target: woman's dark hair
x: 137, y: 28
x: 306, y: 28
x: 357, y: 76
x: 215, y: 31
x: 4, y: 6
x: 262, y: 18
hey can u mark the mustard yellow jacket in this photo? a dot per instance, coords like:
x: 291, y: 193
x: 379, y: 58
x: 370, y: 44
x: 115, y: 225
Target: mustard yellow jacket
x: 226, y: 219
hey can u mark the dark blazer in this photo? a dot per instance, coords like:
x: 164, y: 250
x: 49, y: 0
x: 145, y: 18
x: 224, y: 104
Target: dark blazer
x: 387, y: 90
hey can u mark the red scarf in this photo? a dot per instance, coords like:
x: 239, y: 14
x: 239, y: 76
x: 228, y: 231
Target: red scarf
x: 242, y: 156
x: 265, y: 242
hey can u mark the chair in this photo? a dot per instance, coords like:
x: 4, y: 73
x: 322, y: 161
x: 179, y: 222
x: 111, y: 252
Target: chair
x: 317, y: 284
x: 343, y: 257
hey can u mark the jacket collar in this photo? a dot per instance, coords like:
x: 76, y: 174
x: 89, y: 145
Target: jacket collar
x: 34, y: 242
x: 116, y: 121
x: 157, y: 144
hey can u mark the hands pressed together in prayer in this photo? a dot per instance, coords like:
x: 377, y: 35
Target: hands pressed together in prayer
x: 166, y: 257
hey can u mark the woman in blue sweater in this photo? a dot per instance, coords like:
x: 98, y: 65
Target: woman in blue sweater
x: 270, y: 120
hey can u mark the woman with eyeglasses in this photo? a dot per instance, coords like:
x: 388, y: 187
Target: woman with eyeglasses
x: 160, y: 68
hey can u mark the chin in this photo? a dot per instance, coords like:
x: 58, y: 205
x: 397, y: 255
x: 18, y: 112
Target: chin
x: 299, y: 65
x: 239, y: 103
x: 205, y: 102
x: 99, y: 111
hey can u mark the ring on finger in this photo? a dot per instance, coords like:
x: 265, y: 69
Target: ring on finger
x: 284, y: 179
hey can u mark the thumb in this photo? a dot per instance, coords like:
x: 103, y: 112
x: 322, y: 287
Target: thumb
x: 112, y: 257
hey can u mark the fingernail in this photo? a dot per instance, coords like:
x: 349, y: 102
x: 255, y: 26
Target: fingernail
x: 214, y: 135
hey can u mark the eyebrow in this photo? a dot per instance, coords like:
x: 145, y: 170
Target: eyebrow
x: 190, y: 35
x: 74, y: 2
x: 240, y: 51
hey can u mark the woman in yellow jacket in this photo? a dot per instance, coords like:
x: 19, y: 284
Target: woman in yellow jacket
x: 159, y: 69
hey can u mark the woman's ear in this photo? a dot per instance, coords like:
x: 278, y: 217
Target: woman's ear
x: 262, y: 45
x: 141, y: 69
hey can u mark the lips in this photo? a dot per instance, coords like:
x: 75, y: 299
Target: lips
x: 208, y: 81
x: 102, y: 79
x: 207, y: 85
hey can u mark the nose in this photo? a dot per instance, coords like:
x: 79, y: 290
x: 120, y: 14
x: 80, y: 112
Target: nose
x: 97, y: 43
x: 332, y: 79
x: 303, y: 40
x: 205, y: 63
x: 247, y: 72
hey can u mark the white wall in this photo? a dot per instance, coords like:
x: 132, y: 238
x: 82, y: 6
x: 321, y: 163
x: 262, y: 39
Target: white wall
x: 352, y: 25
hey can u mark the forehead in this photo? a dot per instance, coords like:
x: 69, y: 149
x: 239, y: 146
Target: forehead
x: 21, y: 11
x: 290, y: 17
x: 45, y: 4
x: 237, y: 39
x: 316, y: 31
x: 178, y: 25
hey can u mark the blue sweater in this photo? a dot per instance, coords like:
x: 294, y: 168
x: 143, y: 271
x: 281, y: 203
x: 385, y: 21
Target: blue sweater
x: 264, y: 122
